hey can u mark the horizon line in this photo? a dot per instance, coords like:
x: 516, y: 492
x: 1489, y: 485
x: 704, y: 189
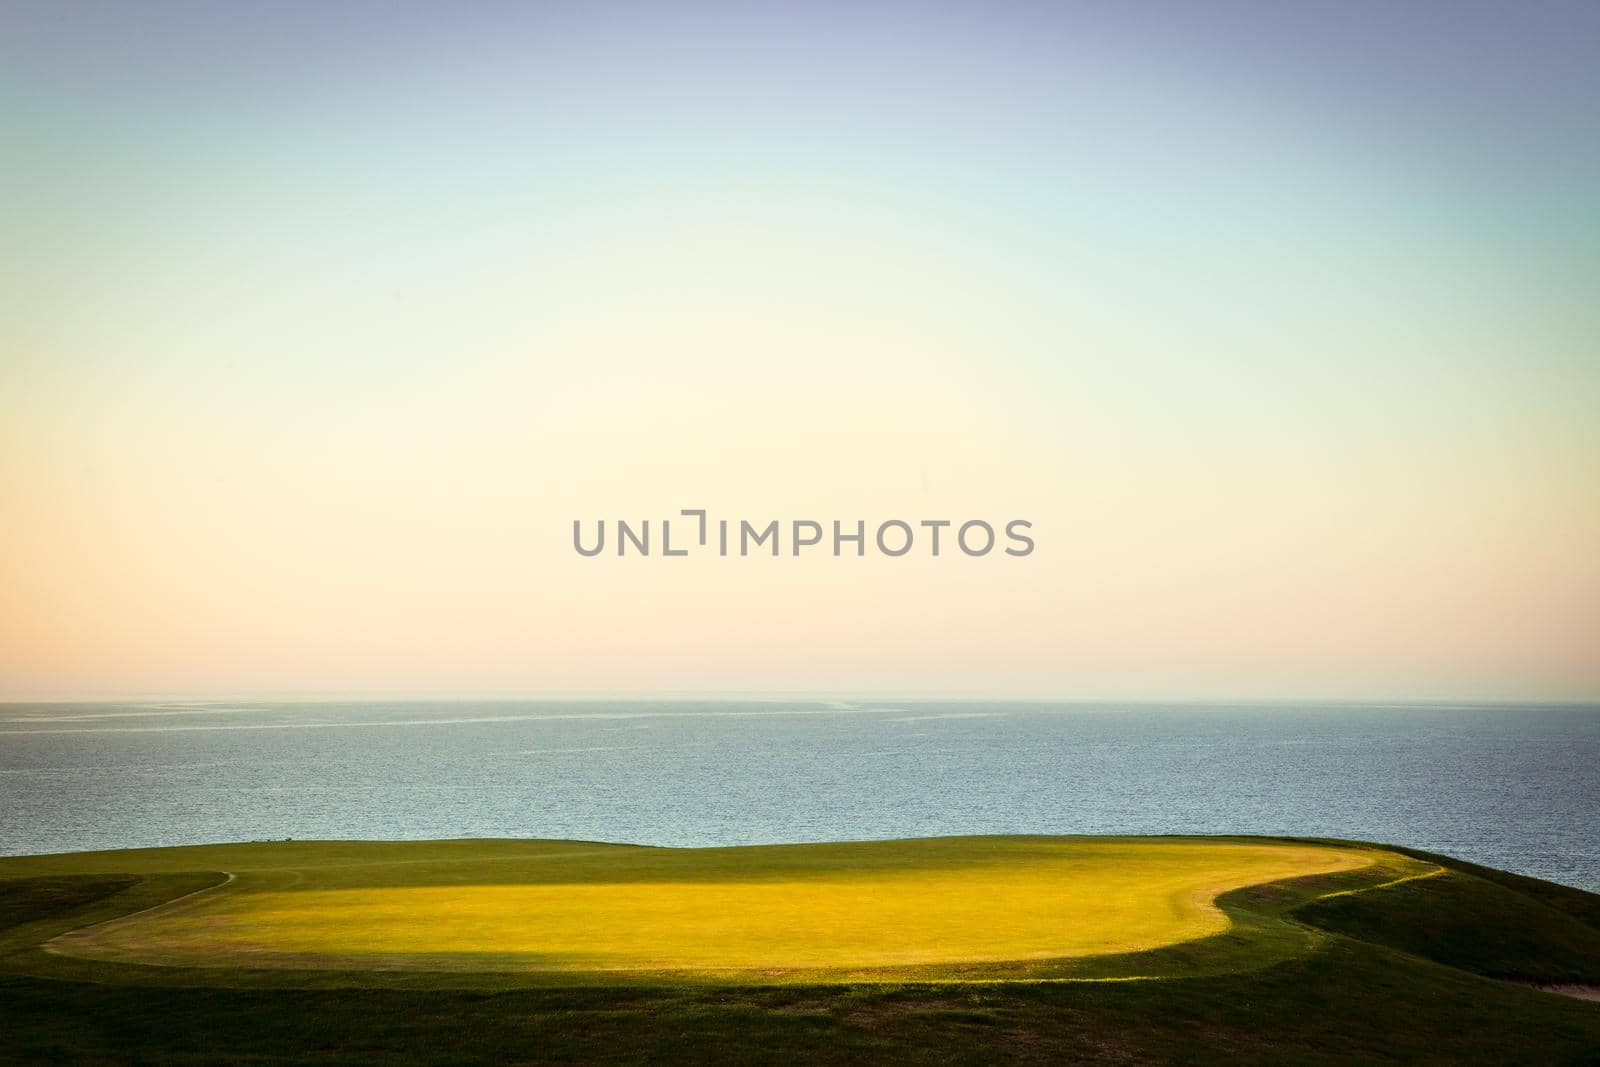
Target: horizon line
x: 807, y: 696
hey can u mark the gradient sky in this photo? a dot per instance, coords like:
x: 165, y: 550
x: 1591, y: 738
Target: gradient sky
x: 320, y: 322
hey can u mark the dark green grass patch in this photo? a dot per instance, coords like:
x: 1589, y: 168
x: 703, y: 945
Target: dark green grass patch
x: 28, y: 900
x: 1468, y: 922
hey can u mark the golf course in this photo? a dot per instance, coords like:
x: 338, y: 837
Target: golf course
x: 946, y: 908
x: 590, y: 951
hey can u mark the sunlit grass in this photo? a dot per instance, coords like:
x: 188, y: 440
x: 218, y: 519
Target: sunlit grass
x: 787, y: 908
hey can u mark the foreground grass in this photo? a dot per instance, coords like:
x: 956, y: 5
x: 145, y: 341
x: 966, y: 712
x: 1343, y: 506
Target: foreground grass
x: 1386, y: 975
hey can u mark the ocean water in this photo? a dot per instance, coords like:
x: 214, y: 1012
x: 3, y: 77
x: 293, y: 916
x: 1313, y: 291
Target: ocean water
x: 1512, y: 786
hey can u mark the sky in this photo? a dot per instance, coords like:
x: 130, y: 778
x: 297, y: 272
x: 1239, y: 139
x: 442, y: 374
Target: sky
x: 321, y: 323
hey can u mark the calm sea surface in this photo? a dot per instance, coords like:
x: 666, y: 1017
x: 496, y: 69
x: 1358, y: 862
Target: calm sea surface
x: 1512, y: 786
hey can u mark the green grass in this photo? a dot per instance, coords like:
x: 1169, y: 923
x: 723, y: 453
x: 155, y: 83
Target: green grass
x: 1471, y: 923
x: 1340, y: 967
x: 943, y: 908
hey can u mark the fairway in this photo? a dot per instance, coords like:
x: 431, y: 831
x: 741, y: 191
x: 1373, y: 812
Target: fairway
x: 950, y: 904
x: 943, y: 950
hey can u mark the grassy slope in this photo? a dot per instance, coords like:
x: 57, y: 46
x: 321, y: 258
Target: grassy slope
x: 1472, y: 923
x: 1372, y: 993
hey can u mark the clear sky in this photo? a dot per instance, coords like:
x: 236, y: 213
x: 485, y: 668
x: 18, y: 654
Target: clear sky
x: 321, y: 322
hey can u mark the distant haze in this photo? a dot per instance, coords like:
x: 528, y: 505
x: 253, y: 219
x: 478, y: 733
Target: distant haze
x: 319, y: 324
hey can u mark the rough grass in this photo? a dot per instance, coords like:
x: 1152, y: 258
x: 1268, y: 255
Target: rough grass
x: 1471, y: 923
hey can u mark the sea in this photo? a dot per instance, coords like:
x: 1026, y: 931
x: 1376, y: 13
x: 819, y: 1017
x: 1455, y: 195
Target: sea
x: 1508, y: 785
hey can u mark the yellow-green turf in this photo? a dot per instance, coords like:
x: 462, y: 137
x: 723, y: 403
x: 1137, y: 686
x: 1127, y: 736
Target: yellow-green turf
x: 974, y: 909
